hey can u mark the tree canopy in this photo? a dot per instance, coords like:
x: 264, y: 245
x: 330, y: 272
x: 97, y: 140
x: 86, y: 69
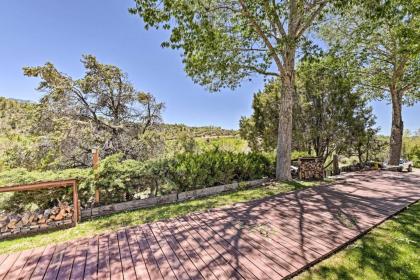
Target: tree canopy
x: 330, y: 115
x: 383, y: 37
x: 225, y: 42
x: 101, y: 109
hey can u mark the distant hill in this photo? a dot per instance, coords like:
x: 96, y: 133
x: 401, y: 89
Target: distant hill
x: 172, y: 130
x: 16, y: 114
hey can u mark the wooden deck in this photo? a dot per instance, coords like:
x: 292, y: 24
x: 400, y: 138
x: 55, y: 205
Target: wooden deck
x: 270, y: 238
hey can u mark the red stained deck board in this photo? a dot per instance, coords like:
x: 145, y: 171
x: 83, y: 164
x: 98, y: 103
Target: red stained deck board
x: 254, y: 251
x: 160, y: 258
x: 43, y: 263
x: 245, y: 267
x: 18, y: 265
x: 126, y: 259
x: 115, y: 263
x: 193, y: 263
x: 55, y: 262
x: 8, y: 264
x: 68, y: 260
x: 103, y: 257
x: 91, y: 269
x: 176, y: 247
x: 149, y: 259
x: 170, y: 255
x: 30, y: 264
x: 79, y: 264
x: 139, y: 265
x: 218, y: 265
x: 211, y: 263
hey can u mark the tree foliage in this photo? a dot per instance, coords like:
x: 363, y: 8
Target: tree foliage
x: 331, y: 115
x: 383, y: 37
x: 225, y: 42
x: 101, y: 109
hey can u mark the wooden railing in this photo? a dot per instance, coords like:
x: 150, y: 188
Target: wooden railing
x: 50, y: 185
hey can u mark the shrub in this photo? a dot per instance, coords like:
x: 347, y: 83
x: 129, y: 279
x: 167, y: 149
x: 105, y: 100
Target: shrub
x: 210, y: 168
x: 126, y: 180
x: 123, y: 180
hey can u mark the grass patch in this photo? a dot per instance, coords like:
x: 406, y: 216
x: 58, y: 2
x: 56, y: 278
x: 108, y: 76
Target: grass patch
x: 390, y: 251
x: 116, y: 221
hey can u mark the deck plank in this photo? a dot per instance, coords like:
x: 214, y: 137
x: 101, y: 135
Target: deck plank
x: 68, y: 260
x: 139, y: 264
x: 126, y: 259
x: 7, y: 265
x: 115, y: 263
x: 194, y: 265
x: 43, y: 263
x: 91, y: 269
x: 231, y: 256
x: 216, y: 263
x: 149, y: 259
x: 30, y: 264
x: 55, y: 262
x: 164, y: 267
x: 18, y: 266
x: 170, y: 255
x: 79, y: 263
x: 103, y: 258
x: 182, y: 256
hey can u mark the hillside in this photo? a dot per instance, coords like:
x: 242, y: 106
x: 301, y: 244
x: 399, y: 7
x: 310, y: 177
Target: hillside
x: 16, y: 116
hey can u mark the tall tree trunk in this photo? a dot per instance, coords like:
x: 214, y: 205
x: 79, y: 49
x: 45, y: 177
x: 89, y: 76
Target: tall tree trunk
x: 395, y: 141
x: 284, y: 137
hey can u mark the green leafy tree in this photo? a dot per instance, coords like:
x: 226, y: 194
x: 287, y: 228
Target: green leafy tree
x: 383, y: 37
x: 225, y: 42
x: 260, y: 130
x: 327, y: 114
x: 364, y: 141
x: 101, y: 109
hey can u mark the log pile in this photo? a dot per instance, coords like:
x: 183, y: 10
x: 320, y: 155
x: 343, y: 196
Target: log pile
x: 311, y: 168
x: 13, y: 224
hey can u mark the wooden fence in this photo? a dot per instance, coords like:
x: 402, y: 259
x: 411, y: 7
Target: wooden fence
x: 50, y: 185
x: 12, y: 225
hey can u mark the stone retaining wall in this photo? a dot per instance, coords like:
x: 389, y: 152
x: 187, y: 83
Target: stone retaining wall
x: 89, y: 213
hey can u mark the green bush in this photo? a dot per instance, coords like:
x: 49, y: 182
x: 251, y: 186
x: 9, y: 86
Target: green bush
x: 210, y: 168
x: 123, y: 180
x: 120, y: 180
x: 415, y: 156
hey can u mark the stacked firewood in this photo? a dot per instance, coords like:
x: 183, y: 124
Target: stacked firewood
x: 16, y: 223
x: 311, y: 168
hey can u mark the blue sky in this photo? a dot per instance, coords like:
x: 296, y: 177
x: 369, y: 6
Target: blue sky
x: 33, y: 32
